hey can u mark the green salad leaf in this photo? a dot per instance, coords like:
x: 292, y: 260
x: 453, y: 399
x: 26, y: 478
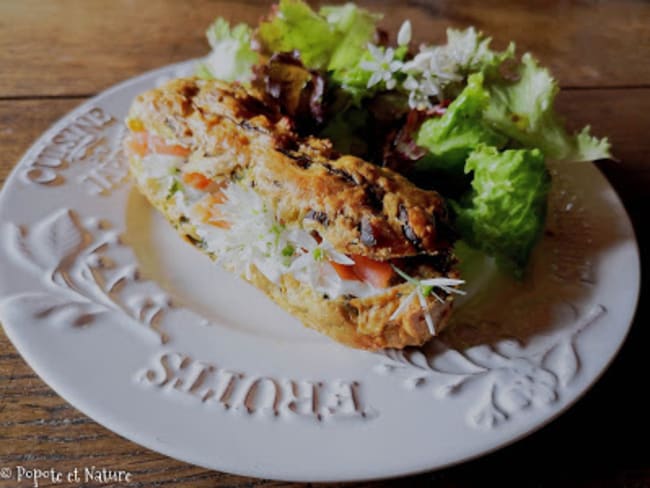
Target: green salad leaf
x: 357, y: 27
x: 354, y: 80
x: 232, y: 58
x: 503, y: 214
x: 523, y: 110
x: 449, y: 139
x: 331, y: 39
x: 295, y: 26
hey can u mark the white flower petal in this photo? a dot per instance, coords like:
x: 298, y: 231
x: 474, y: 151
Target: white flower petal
x: 395, y: 66
x: 338, y: 258
x: 369, y: 65
x: 301, y: 239
x: 404, y: 34
x: 374, y: 79
x: 403, y: 306
x: 410, y: 83
x: 425, y: 309
x: 445, y: 284
x: 375, y: 51
x: 442, y: 281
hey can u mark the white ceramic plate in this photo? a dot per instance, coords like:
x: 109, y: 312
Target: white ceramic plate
x: 142, y: 333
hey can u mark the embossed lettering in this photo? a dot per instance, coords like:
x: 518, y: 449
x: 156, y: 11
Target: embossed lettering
x: 88, y: 138
x: 201, y: 372
x: 158, y: 375
x: 226, y: 385
x: 170, y: 368
x: 341, y: 398
x: 304, y: 397
x: 255, y: 395
x: 263, y: 394
x: 104, y: 176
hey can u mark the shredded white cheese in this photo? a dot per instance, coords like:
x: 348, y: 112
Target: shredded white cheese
x: 254, y: 237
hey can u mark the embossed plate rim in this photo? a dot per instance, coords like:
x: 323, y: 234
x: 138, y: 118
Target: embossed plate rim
x: 346, y: 473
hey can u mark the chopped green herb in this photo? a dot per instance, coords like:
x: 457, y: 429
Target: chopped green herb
x: 277, y: 230
x: 174, y: 188
x: 318, y: 254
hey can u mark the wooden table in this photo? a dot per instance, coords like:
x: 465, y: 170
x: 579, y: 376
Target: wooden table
x: 54, y: 55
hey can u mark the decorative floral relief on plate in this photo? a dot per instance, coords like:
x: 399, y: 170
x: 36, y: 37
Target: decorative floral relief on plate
x: 82, y: 265
x: 502, y: 379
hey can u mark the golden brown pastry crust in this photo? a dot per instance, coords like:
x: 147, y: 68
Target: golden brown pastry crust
x: 356, y: 206
x: 217, y: 121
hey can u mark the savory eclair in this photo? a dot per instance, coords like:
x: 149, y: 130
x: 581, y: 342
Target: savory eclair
x: 353, y: 250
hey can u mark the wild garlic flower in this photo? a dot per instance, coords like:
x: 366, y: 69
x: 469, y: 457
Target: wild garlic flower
x: 404, y: 34
x: 428, y: 74
x: 424, y: 288
x: 383, y: 66
x: 420, y: 91
x: 436, y: 67
x: 253, y: 236
x: 469, y: 49
x: 313, y: 266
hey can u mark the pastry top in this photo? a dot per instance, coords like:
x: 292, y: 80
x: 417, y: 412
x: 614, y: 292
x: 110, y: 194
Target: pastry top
x: 356, y: 206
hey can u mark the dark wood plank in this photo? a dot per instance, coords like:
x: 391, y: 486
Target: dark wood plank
x: 21, y: 122
x: 623, y: 116
x: 79, y: 47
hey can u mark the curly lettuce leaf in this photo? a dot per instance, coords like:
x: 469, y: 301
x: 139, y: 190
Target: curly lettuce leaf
x: 295, y: 26
x: 232, y: 58
x: 503, y: 214
x: 354, y: 80
x: 523, y: 110
x: 331, y: 39
x: 357, y: 27
x: 449, y: 139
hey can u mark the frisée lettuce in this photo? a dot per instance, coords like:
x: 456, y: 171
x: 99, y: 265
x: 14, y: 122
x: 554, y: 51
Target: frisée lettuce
x: 523, y: 110
x: 232, y: 57
x: 331, y: 39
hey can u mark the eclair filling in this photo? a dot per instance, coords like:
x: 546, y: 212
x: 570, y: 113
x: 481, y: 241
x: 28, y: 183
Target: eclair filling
x: 231, y: 222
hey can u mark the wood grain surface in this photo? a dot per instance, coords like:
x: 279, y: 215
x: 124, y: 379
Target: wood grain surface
x: 53, y: 55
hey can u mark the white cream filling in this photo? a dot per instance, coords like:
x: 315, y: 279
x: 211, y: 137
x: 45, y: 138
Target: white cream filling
x: 256, y: 238
x: 161, y: 168
x: 253, y: 237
